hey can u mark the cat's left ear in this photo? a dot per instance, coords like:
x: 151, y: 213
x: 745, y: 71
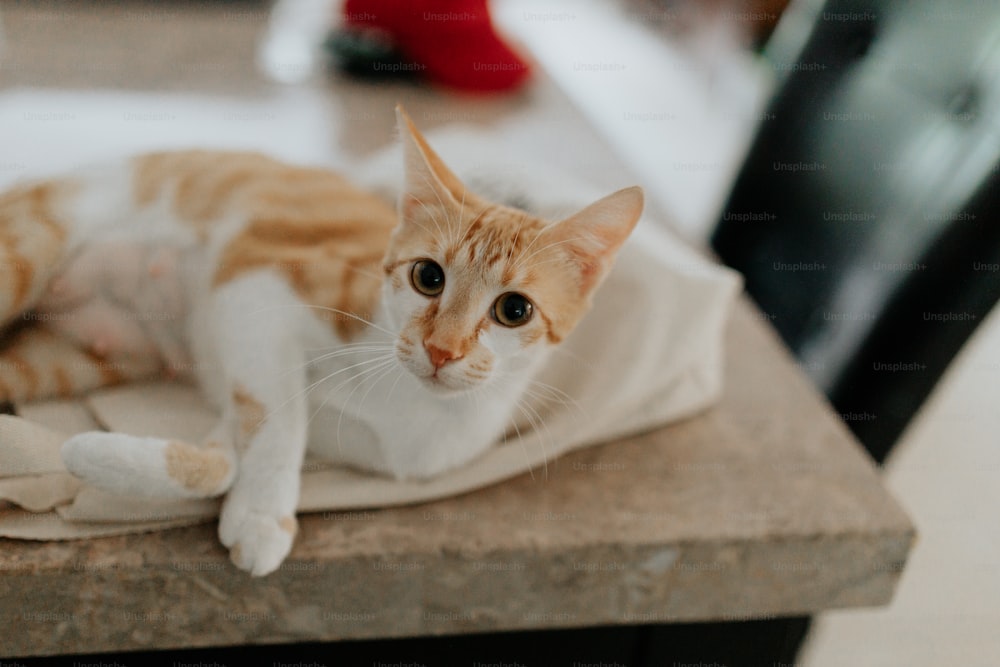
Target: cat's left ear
x: 592, y: 237
x: 428, y: 180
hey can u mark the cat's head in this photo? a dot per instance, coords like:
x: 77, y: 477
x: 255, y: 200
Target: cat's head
x: 478, y: 291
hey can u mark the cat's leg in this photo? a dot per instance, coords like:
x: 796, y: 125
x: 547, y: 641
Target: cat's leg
x: 255, y: 453
x: 38, y: 363
x: 263, y: 427
x: 263, y: 358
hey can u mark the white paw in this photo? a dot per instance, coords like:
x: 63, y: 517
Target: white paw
x: 258, y: 542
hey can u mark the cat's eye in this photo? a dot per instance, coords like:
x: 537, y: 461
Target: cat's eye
x: 427, y: 277
x: 512, y: 309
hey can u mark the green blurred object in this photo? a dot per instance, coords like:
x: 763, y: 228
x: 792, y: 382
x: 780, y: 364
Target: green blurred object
x: 864, y: 216
x: 367, y: 54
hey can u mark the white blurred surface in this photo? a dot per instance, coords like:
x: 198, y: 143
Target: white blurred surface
x: 681, y: 118
x: 945, y: 471
x: 46, y: 131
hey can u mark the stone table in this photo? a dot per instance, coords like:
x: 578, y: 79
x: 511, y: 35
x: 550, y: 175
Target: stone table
x: 759, y: 507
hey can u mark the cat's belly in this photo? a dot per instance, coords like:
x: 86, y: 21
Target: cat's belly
x: 121, y: 300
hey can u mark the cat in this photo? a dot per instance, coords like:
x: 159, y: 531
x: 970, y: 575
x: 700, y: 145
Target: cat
x: 280, y: 290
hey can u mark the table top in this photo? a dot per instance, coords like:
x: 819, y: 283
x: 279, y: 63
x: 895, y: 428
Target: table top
x: 762, y: 506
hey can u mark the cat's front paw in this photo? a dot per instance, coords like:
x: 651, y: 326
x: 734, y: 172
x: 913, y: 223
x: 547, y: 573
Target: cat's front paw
x: 257, y: 542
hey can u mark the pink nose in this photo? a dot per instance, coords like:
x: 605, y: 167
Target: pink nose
x: 438, y: 356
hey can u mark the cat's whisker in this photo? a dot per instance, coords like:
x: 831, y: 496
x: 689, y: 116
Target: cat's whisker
x: 455, y: 224
x: 551, y: 260
x: 388, y: 398
x: 449, y: 232
x: 374, y: 364
x: 315, y: 384
x: 551, y: 394
x: 343, y: 408
x: 461, y: 215
x: 319, y: 408
x: 347, y: 349
x: 471, y: 224
x: 547, y: 393
x: 383, y: 362
x: 438, y: 237
x: 357, y: 350
x: 343, y: 346
x: 524, y: 250
x: 517, y: 235
x: 380, y: 347
x: 536, y: 421
x: 327, y: 308
x: 375, y: 382
x: 533, y: 421
x: 521, y: 259
x: 334, y: 355
x: 326, y: 399
x: 520, y: 441
x: 443, y: 236
x: 543, y: 394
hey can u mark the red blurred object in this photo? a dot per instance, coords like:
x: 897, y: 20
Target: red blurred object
x: 453, y: 41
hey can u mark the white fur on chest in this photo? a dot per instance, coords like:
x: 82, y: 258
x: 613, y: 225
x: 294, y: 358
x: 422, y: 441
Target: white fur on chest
x: 385, y: 420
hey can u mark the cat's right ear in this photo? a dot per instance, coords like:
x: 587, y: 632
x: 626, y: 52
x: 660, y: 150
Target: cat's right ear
x: 592, y: 237
x: 428, y: 182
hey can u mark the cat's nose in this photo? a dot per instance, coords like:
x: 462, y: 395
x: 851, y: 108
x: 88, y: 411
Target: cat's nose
x: 438, y: 356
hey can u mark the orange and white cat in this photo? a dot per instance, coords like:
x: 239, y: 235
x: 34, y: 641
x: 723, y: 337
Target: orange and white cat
x: 283, y: 290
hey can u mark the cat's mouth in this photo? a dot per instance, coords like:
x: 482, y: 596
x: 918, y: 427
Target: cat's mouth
x: 444, y: 386
x: 445, y: 381
x: 451, y: 379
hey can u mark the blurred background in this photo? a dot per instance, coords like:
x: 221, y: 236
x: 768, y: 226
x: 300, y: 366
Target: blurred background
x: 843, y: 155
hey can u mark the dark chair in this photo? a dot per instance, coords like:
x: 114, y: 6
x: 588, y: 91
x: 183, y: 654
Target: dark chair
x: 865, y: 216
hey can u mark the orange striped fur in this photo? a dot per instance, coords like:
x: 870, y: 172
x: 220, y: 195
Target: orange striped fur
x: 31, y: 239
x: 324, y: 235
